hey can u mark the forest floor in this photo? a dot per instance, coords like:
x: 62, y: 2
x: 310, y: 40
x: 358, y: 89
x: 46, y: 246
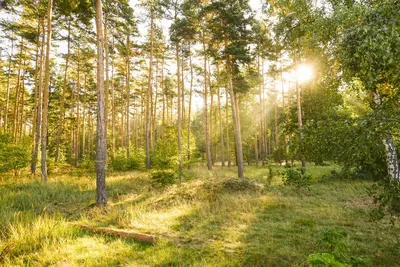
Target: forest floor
x: 200, y: 221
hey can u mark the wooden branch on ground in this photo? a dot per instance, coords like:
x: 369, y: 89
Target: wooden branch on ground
x: 149, y: 239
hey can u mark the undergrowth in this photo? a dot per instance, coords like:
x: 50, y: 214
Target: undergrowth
x: 204, y: 219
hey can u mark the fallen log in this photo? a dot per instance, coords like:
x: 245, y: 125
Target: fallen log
x: 149, y: 239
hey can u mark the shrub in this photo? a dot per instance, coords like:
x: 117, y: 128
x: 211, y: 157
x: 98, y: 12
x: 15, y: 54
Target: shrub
x: 296, y: 178
x: 121, y: 163
x: 335, y: 252
x: 386, y: 194
x: 13, y: 157
x: 163, y: 178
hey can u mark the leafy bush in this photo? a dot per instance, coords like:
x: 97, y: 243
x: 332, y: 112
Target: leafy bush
x: 296, y: 178
x: 121, y: 163
x: 386, y: 195
x: 163, y: 178
x: 13, y: 157
x: 335, y: 253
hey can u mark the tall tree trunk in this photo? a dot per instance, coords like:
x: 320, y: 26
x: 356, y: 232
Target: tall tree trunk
x: 261, y: 129
x: 284, y: 113
x: 190, y: 105
x: 299, y: 116
x: 113, y: 105
x: 78, y: 92
x: 236, y: 119
x: 8, y: 86
x: 221, y: 130
x: 178, y: 75
x: 101, y: 147
x: 21, y: 122
x: 128, y: 93
x: 212, y: 151
x: 17, y: 92
x: 228, y: 149
x: 107, y: 81
x: 39, y: 106
x: 46, y: 86
x: 392, y: 161
x: 36, y: 87
x: 163, y: 98
x: 149, y: 90
x: 83, y: 119
x: 62, y: 109
x: 206, y: 129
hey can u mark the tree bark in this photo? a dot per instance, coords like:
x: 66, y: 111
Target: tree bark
x: 62, y: 110
x: 206, y: 130
x: 46, y: 93
x: 392, y: 161
x: 101, y: 146
x: 228, y: 149
x: 299, y: 116
x: 236, y: 119
x: 8, y: 86
x: 39, y: 107
x: 149, y: 90
x: 190, y: 104
x: 178, y: 75
x: 128, y: 93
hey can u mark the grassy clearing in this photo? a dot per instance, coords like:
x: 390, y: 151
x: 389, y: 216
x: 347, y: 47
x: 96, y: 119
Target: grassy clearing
x: 200, y: 221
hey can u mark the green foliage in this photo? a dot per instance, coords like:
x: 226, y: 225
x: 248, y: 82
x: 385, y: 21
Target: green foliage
x: 165, y: 154
x: 296, y: 178
x: 386, y: 194
x: 324, y: 260
x: 135, y: 161
x: 331, y: 239
x: 13, y: 157
x: 335, y: 251
x: 353, y: 143
x: 270, y: 175
x: 162, y: 178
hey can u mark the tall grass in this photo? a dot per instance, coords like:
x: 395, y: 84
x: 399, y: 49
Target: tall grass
x: 199, y: 221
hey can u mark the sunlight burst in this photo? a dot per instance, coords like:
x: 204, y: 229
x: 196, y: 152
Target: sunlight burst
x: 304, y: 73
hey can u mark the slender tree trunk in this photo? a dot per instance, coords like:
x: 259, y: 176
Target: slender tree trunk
x: 83, y: 119
x: 236, y: 120
x: 107, y: 81
x: 62, y: 109
x: 101, y: 147
x: 46, y: 86
x: 212, y: 151
x: 17, y: 92
x: 392, y: 161
x: 21, y: 121
x: 149, y: 90
x: 221, y: 130
x: 113, y: 105
x: 36, y: 87
x: 261, y: 130
x: 128, y: 93
x: 190, y: 104
x: 8, y: 86
x: 178, y: 75
x: 163, y: 98
x: 299, y: 116
x: 78, y: 92
x: 39, y: 106
x: 284, y: 113
x: 206, y: 128
x: 228, y: 150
